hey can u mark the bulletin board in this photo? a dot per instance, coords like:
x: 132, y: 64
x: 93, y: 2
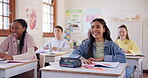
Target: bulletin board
x: 124, y: 15
x: 74, y: 19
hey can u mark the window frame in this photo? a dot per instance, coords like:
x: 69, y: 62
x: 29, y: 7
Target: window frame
x: 6, y: 32
x: 54, y: 20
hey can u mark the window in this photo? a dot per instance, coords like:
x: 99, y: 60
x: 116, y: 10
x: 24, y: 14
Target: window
x: 7, y: 15
x: 49, y: 15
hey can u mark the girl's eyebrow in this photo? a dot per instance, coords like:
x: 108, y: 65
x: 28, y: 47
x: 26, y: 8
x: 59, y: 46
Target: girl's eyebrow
x: 98, y: 25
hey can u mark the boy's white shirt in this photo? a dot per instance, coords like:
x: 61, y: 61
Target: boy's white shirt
x: 61, y: 44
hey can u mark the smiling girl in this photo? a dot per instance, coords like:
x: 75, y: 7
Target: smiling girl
x: 19, y: 45
x: 99, y: 46
x: 124, y: 41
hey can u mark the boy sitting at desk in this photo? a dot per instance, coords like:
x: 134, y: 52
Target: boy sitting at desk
x: 58, y: 43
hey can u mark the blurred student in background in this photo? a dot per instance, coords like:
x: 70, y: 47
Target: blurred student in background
x: 124, y: 41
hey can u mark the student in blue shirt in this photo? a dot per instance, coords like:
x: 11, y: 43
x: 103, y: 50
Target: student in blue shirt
x: 99, y: 46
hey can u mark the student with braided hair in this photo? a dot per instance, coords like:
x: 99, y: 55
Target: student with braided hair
x: 19, y: 45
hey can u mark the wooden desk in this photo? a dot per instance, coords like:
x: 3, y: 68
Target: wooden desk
x: 138, y: 62
x: 11, y: 69
x: 55, y: 71
x: 52, y: 57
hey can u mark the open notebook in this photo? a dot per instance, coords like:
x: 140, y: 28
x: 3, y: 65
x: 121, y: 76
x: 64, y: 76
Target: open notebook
x: 107, y: 64
x: 103, y: 64
x: 2, y: 59
x: 13, y: 61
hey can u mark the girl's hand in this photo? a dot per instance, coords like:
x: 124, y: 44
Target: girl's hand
x: 6, y: 56
x: 86, y: 61
x: 96, y: 59
x: 45, y: 48
x: 125, y: 51
x: 54, y: 48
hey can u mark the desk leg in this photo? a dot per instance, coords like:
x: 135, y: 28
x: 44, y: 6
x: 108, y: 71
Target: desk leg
x: 35, y: 71
x: 3, y: 74
x: 141, y: 69
x: 123, y: 74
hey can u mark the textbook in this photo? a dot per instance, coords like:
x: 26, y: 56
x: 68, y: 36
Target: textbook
x: 59, y: 53
x: 13, y: 61
x: 103, y: 64
x: 107, y: 64
x: 2, y: 59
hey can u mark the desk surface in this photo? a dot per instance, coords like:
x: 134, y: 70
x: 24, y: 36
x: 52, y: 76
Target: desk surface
x: 134, y: 57
x: 107, y: 71
x: 53, y: 54
x: 12, y: 65
x: 141, y: 55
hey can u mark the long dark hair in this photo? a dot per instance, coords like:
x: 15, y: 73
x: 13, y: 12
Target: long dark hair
x: 106, y: 35
x: 123, y: 26
x: 23, y: 24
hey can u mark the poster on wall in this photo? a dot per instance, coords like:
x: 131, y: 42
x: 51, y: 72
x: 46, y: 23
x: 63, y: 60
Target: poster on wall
x: 74, y: 20
x: 31, y: 13
x: 124, y: 15
x: 89, y: 15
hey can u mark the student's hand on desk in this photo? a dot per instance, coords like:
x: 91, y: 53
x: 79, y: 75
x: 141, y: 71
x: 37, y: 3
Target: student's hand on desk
x: 46, y: 48
x: 54, y: 48
x: 126, y: 51
x: 86, y: 61
x: 96, y: 59
x: 6, y: 56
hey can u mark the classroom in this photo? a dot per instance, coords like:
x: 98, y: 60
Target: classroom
x: 76, y: 19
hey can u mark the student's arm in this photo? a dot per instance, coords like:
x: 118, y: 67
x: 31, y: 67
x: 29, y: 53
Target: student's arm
x: 5, y: 44
x: 46, y: 46
x: 80, y: 51
x: 30, y: 46
x: 30, y: 54
x: 1, y: 51
x: 116, y: 54
x: 66, y: 46
x: 133, y: 48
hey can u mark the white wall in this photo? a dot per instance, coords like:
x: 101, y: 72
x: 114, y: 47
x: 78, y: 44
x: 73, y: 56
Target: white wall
x: 137, y: 29
x: 145, y: 42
